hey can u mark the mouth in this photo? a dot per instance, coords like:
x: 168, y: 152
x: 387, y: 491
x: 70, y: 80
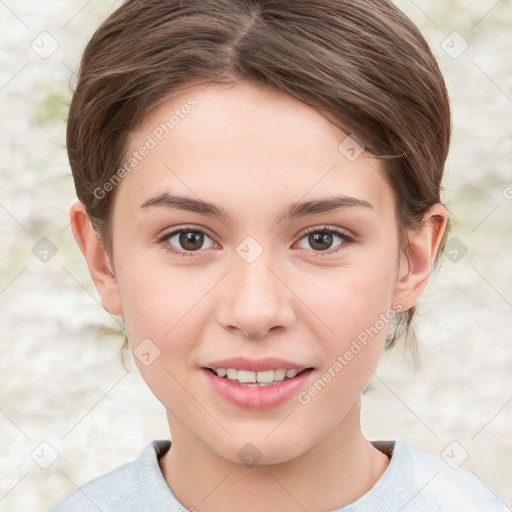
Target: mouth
x: 256, y: 384
x: 260, y: 379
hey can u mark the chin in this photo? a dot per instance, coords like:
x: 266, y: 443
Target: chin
x: 261, y: 451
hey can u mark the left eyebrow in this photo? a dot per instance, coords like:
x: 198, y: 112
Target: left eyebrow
x: 294, y: 210
x: 325, y: 205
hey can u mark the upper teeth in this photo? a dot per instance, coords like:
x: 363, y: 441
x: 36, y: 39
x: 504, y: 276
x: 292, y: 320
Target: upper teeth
x: 249, y: 377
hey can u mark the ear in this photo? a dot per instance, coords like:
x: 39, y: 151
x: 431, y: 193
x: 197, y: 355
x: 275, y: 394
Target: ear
x: 415, y: 268
x: 96, y: 258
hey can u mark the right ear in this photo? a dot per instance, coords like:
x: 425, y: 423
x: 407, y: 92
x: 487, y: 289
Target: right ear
x: 96, y: 257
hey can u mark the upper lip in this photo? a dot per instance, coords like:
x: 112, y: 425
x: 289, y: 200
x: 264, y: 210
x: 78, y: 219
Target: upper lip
x: 256, y: 365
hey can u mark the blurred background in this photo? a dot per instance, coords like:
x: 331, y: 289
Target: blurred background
x: 70, y: 410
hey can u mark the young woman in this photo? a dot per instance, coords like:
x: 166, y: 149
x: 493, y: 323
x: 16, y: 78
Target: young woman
x: 259, y: 199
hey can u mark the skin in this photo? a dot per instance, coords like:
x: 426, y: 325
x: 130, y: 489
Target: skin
x: 253, y: 151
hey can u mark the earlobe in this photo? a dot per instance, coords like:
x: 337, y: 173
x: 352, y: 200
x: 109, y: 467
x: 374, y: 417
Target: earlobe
x: 96, y: 257
x: 415, y: 268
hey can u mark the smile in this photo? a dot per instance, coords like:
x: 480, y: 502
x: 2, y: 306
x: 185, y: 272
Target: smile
x: 256, y: 383
x: 262, y: 378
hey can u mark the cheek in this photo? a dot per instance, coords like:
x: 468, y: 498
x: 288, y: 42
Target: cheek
x: 163, y: 322
x: 354, y: 305
x: 165, y: 316
x: 159, y: 300
x: 350, y: 299
x: 357, y: 307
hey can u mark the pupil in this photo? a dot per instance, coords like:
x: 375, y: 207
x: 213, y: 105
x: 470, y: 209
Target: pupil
x: 318, y: 238
x: 191, y: 237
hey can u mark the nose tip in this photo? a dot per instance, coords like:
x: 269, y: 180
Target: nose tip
x: 258, y: 302
x: 254, y: 332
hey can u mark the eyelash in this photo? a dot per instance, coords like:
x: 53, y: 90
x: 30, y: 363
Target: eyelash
x: 345, y: 238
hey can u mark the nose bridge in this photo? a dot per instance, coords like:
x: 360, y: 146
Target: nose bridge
x: 257, y: 299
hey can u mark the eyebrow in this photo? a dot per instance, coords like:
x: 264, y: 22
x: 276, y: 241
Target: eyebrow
x: 294, y: 210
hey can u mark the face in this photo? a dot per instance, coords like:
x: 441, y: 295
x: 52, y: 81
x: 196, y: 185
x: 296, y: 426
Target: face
x: 291, y: 266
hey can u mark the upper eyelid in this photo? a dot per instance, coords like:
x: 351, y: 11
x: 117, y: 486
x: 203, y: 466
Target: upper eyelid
x: 209, y: 233
x: 326, y: 227
x: 180, y: 229
x: 340, y: 232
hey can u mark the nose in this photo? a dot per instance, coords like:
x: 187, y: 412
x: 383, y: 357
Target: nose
x: 257, y: 301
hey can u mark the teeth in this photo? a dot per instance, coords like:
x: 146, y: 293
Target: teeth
x: 280, y: 374
x: 232, y: 374
x: 263, y: 378
x: 246, y: 377
x: 267, y: 376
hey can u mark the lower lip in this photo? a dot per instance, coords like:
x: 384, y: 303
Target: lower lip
x: 256, y: 397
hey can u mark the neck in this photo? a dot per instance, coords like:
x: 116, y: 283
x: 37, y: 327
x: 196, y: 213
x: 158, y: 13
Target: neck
x: 337, y: 471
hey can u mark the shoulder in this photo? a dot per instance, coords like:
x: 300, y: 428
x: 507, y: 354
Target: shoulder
x: 453, y: 487
x: 99, y: 494
x: 416, y: 480
x: 123, y: 488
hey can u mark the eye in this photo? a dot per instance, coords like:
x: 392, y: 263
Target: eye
x: 186, y: 239
x: 321, y: 239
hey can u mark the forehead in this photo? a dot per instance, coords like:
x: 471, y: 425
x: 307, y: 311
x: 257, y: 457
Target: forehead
x: 245, y: 145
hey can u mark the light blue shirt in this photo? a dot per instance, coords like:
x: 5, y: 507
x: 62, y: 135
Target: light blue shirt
x: 413, y: 482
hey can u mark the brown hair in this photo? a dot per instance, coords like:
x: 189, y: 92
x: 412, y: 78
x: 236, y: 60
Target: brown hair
x: 361, y: 63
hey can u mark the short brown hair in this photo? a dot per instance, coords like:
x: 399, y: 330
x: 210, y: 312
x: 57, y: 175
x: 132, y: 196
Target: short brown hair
x: 361, y: 63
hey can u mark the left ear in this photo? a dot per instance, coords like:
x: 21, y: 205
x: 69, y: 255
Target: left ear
x: 415, y: 268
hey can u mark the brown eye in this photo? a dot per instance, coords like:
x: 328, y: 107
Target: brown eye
x: 185, y: 241
x: 191, y: 240
x: 322, y: 240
